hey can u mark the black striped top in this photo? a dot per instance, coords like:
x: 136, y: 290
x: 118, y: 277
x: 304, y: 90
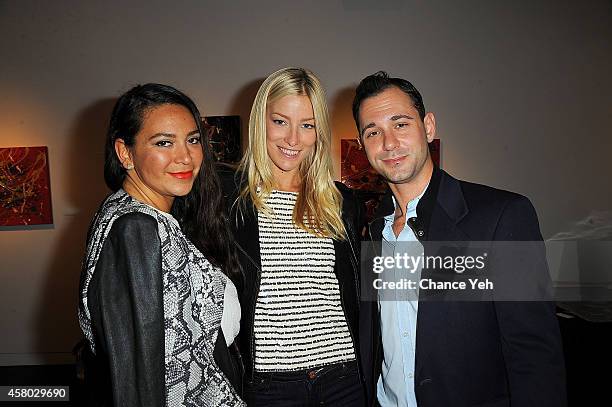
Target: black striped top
x: 299, y: 322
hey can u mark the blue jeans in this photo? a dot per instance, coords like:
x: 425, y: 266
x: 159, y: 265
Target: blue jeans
x: 333, y: 385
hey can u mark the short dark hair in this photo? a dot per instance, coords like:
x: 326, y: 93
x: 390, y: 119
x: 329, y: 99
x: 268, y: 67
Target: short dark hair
x: 374, y: 84
x: 200, y: 212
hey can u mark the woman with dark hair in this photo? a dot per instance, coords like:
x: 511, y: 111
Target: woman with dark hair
x: 297, y: 233
x: 157, y: 305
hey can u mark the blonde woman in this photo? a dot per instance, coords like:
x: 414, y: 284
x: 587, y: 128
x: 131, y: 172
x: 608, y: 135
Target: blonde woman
x: 297, y: 235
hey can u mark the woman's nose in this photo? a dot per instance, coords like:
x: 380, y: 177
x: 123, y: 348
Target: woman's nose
x: 292, y: 137
x: 183, y: 154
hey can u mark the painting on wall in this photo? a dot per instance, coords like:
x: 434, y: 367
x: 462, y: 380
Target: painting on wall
x: 25, y: 193
x: 224, y: 137
x: 355, y: 170
x: 356, y: 173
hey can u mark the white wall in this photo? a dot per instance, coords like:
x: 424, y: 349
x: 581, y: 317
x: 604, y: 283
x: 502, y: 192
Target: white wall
x: 522, y: 93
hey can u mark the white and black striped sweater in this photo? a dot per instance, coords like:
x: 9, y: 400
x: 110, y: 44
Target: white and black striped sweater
x: 299, y: 321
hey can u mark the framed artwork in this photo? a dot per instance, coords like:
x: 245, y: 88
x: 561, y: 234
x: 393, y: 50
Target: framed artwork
x: 355, y: 170
x: 25, y: 193
x: 356, y: 173
x: 224, y: 137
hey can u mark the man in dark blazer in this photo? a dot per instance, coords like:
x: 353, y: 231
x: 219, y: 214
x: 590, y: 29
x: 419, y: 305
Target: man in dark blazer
x: 447, y: 353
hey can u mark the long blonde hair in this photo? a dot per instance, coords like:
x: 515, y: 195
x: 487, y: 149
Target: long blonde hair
x: 319, y: 203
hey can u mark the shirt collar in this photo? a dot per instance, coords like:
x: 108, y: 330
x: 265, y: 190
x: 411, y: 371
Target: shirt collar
x: 411, y: 207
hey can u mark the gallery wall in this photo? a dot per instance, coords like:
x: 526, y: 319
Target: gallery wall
x: 521, y: 91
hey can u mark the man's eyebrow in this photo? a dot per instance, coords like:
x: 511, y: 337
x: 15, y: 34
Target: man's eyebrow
x: 392, y: 118
x: 401, y: 116
x: 369, y: 126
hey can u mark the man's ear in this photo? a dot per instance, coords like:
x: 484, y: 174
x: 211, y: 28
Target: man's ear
x: 430, y: 126
x: 123, y: 153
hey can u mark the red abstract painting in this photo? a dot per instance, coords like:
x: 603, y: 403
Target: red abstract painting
x: 25, y: 194
x: 355, y: 170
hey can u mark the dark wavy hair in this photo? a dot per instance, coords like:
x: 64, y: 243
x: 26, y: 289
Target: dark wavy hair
x: 199, y: 213
x: 374, y: 84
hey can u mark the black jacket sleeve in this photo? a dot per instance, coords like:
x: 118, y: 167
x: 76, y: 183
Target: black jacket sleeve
x: 125, y: 299
x: 531, y: 341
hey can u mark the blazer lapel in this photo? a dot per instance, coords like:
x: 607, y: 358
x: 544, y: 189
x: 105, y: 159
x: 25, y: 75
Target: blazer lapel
x: 441, y: 213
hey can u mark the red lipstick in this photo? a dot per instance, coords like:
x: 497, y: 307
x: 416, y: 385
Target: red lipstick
x: 182, y: 175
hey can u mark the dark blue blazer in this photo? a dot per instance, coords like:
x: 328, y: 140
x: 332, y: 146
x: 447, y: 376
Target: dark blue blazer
x: 483, y: 353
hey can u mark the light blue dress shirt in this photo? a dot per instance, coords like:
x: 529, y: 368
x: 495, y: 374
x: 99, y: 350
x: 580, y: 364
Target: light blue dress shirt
x: 398, y: 320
